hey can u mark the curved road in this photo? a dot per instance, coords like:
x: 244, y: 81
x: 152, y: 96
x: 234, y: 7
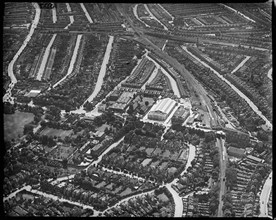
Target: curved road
x: 265, y: 196
x: 103, y: 70
x: 152, y: 16
x: 269, y: 74
x: 7, y: 96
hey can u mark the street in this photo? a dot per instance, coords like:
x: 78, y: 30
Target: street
x: 223, y: 161
x: 265, y: 196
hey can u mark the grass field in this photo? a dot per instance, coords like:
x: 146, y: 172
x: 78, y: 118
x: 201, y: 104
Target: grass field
x: 14, y: 124
x: 56, y: 132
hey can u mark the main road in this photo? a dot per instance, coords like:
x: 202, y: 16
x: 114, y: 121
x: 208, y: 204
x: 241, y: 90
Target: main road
x: 223, y: 165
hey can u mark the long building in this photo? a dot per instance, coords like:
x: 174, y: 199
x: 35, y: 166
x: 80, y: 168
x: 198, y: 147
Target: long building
x: 162, y: 110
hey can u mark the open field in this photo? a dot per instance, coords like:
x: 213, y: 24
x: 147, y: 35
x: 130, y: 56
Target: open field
x: 14, y: 124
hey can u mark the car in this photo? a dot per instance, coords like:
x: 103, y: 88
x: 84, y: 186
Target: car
x: 263, y: 202
x: 224, y: 179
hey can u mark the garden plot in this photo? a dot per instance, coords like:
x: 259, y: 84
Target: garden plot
x: 56, y: 132
x: 62, y: 152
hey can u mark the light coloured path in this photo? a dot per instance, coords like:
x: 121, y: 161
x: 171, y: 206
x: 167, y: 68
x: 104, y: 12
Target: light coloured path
x: 265, y: 196
x: 198, y: 22
x: 177, y: 201
x: 223, y: 161
x: 146, y: 7
x: 105, y: 152
x: 45, y: 58
x: 269, y: 74
x: 14, y: 193
x: 54, y: 13
x: 63, y: 200
x: 152, y: 76
x: 251, y: 104
x: 166, y: 11
x: 129, y: 198
x: 71, y: 17
x: 136, y: 15
x: 192, y: 154
x: 124, y: 174
x: 234, y: 45
x: 241, y: 64
x: 86, y: 13
x: 73, y: 60
x: 165, y: 45
x: 103, y: 70
x: 172, y: 81
x: 63, y: 178
x: 232, y: 9
x: 8, y: 96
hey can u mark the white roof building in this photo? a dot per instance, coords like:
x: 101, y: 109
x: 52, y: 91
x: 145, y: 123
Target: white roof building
x: 164, y: 106
x: 162, y: 109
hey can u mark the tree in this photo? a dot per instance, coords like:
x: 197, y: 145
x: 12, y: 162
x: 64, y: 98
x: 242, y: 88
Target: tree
x: 65, y: 163
x: 213, y: 206
x: 130, y: 109
x: 227, y: 197
x: 262, y: 135
x: 28, y: 129
x: 210, y: 136
x: 231, y: 176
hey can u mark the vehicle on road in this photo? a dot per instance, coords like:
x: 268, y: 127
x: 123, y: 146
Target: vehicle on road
x: 224, y: 179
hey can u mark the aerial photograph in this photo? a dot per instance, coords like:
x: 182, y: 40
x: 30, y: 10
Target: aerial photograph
x: 137, y: 109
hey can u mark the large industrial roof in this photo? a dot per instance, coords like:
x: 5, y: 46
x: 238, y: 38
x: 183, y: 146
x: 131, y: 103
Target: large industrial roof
x: 164, y: 106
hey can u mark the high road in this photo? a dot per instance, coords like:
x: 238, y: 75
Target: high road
x: 223, y: 165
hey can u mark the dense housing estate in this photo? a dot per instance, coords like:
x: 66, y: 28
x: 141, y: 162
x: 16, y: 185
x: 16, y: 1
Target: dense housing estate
x: 131, y: 110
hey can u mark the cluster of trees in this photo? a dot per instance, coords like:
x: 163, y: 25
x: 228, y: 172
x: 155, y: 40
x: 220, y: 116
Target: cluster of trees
x: 263, y: 135
x: 46, y: 101
x: 131, y: 124
x: 257, y: 178
x: 214, y: 201
x: 227, y: 207
x: 231, y: 177
x: 8, y: 108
